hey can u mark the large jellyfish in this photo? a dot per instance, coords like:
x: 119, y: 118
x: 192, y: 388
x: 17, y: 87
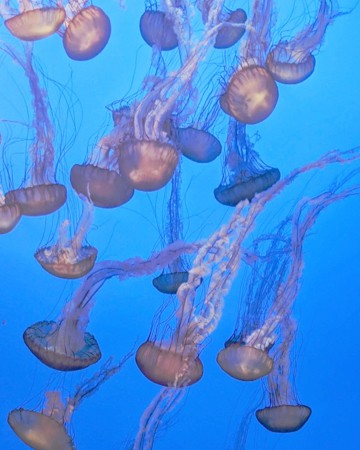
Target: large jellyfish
x: 244, y: 174
x: 69, y: 258
x: 47, y: 429
x: 40, y: 194
x: 32, y: 20
x: 291, y: 60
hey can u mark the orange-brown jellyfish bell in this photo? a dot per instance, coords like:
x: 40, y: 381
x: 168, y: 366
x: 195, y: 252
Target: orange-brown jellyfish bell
x: 35, y: 24
x: 244, y: 362
x: 10, y: 215
x: 39, y: 431
x: 106, y: 188
x: 87, y: 33
x: 38, y: 200
x: 289, y: 68
x: 197, y: 145
x: 158, y: 29
x: 168, y: 283
x: 61, y: 345
x: 147, y: 165
x: 283, y: 418
x: 251, y: 95
x: 166, y: 366
x: 232, y: 29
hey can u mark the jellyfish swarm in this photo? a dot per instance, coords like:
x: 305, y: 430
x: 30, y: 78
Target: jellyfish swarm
x: 99, y: 179
x: 46, y: 430
x: 86, y: 33
x: 292, y: 61
x: 68, y: 258
x: 232, y: 29
x: 41, y: 193
x: 35, y: 24
x: 10, y: 215
x: 244, y: 174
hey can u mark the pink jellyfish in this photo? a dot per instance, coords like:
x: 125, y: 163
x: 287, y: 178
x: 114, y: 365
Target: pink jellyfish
x: 31, y: 21
x: 48, y: 429
x: 291, y: 60
x: 69, y: 258
x: 244, y: 174
x: 40, y: 193
x: 99, y: 179
x: 87, y: 30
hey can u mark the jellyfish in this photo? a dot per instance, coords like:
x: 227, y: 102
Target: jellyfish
x: 285, y: 414
x: 48, y: 429
x: 64, y: 344
x: 157, y: 28
x: 10, y: 214
x: 244, y: 174
x: 40, y: 194
x: 31, y: 22
x: 251, y: 93
x: 291, y: 61
x: 232, y: 29
x: 99, y: 179
x: 69, y: 258
x: 87, y: 30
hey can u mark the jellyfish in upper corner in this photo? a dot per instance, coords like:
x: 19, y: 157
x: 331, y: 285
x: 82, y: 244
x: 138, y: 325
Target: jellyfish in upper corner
x: 99, y: 178
x: 244, y: 174
x: 32, y: 21
x: 292, y: 60
x: 251, y: 93
x: 40, y: 193
x: 86, y: 32
x: 69, y: 258
x: 284, y: 414
x: 48, y: 429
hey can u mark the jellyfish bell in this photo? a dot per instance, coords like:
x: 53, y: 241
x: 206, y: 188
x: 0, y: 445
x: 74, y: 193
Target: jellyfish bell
x: 38, y: 200
x: 67, y: 263
x: 228, y: 35
x: 167, y: 367
x: 35, y: 24
x: 51, y: 345
x: 147, y: 165
x: 289, y: 67
x: 198, y: 145
x: 283, y: 418
x: 251, y: 95
x: 10, y: 215
x: 39, y: 431
x: 168, y: 283
x: 87, y: 34
x: 157, y: 29
x: 232, y: 194
x: 106, y: 188
x: 244, y: 362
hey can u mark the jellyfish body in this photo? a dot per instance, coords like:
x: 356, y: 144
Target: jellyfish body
x: 167, y: 367
x: 35, y: 24
x: 10, y: 215
x: 289, y: 69
x: 87, y: 33
x: 157, y: 29
x: 251, y: 95
x: 106, y: 188
x: 244, y: 362
x: 284, y: 418
x: 39, y: 431
x: 231, y: 31
x: 197, y: 145
x: 38, y: 200
x: 147, y: 165
x: 53, y: 346
x: 168, y: 283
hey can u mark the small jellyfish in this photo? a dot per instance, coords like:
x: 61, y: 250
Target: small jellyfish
x: 87, y: 33
x: 232, y: 30
x: 10, y: 214
x: 69, y: 258
x: 292, y: 61
x: 157, y: 28
x: 283, y: 418
x: 198, y: 145
x: 37, y: 23
x: 244, y: 174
